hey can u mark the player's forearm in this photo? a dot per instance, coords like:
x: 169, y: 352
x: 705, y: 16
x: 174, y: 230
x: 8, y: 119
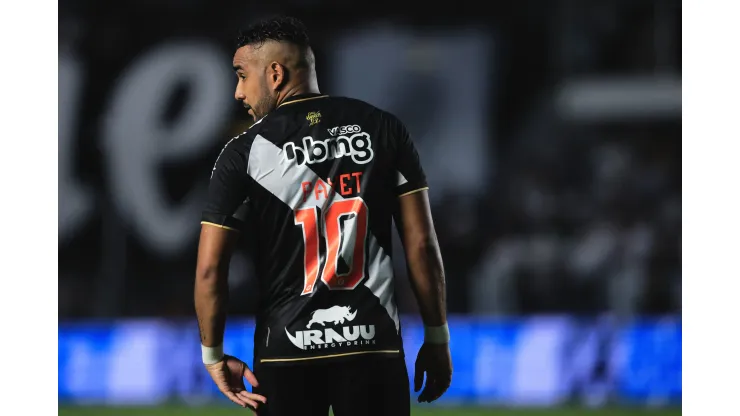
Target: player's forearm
x: 427, y: 278
x: 211, y: 298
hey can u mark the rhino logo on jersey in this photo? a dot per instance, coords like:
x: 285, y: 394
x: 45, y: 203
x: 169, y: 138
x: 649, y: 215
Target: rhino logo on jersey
x: 345, y: 336
x: 335, y: 314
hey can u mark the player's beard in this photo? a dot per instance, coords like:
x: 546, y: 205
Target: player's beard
x: 266, y: 103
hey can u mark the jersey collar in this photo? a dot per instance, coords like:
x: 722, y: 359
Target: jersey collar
x: 301, y: 97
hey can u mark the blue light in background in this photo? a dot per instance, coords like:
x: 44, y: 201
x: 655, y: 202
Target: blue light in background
x: 510, y: 362
x: 652, y: 366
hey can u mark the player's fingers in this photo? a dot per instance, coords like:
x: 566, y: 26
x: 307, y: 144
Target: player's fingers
x: 439, y: 389
x: 249, y: 402
x: 234, y: 398
x: 428, y: 389
x: 418, y: 376
x: 253, y: 400
x: 249, y: 375
x: 227, y: 391
x: 253, y: 396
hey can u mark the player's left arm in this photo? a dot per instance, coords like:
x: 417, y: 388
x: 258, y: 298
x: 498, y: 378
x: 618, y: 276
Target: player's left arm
x: 219, y: 234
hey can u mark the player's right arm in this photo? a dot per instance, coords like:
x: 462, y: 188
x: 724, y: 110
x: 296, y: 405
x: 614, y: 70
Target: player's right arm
x: 227, y: 191
x: 426, y: 271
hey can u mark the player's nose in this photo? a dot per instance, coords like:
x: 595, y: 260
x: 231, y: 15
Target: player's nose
x: 239, y: 94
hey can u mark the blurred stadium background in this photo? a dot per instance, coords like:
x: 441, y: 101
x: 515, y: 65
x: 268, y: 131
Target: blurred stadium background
x: 551, y: 135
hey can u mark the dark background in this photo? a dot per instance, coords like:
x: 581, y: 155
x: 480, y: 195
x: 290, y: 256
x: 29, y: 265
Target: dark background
x: 550, y: 132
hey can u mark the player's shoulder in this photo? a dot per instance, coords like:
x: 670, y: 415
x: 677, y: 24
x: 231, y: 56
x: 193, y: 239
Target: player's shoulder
x: 350, y: 102
x: 243, y: 141
x: 237, y: 148
x: 355, y: 104
x: 380, y: 115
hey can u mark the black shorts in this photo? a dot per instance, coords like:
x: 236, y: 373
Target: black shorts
x: 358, y: 387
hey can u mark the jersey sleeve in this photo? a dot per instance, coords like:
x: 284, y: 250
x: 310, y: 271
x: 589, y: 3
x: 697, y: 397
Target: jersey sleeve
x: 409, y: 175
x: 228, y: 189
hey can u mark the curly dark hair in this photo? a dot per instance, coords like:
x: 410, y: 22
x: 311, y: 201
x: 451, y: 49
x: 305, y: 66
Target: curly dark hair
x: 280, y: 28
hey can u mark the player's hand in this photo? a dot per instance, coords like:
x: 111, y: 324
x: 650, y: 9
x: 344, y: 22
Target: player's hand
x: 435, y: 361
x: 229, y: 375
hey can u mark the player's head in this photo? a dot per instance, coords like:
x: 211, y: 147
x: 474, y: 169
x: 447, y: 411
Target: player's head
x: 273, y: 60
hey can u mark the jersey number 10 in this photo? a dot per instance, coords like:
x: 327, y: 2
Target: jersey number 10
x: 345, y: 228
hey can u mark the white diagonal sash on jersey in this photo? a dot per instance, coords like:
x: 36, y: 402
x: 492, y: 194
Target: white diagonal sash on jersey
x: 283, y: 178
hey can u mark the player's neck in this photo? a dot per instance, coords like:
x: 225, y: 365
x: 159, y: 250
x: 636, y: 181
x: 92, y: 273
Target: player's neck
x: 300, y: 89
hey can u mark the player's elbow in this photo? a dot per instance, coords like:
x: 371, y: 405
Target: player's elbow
x: 419, y: 238
x: 421, y: 244
x: 209, y: 274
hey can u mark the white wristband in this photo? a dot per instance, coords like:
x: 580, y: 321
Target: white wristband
x: 212, y: 355
x: 437, y: 334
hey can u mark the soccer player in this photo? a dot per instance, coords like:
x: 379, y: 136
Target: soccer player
x: 317, y: 181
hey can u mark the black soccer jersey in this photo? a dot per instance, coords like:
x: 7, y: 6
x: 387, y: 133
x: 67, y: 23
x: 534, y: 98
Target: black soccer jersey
x: 316, y: 182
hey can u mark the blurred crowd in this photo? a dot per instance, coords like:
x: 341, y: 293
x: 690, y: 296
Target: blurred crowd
x: 576, y: 224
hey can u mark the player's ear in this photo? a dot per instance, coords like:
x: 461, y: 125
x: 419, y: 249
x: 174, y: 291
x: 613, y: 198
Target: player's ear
x: 278, y: 76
